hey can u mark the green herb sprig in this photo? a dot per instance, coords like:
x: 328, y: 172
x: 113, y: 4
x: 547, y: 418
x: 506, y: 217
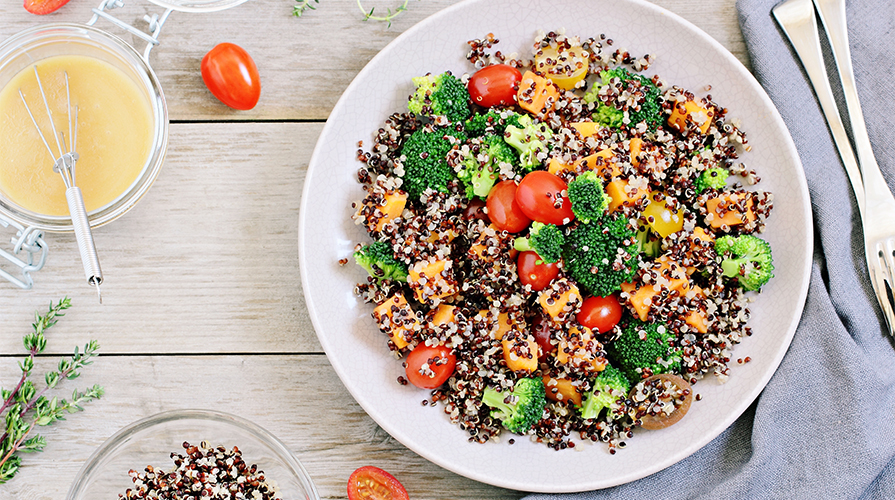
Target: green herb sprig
x: 304, y: 5
x: 26, y: 407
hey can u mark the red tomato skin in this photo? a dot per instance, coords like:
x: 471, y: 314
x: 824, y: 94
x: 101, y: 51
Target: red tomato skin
x: 41, y: 7
x: 494, y: 85
x: 542, y: 334
x: 230, y: 74
x: 600, y: 313
x: 422, y: 354
x: 536, y: 196
x: 503, y: 210
x: 373, y: 483
x: 539, y: 276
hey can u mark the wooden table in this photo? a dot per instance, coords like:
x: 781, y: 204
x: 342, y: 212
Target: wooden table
x: 203, y: 305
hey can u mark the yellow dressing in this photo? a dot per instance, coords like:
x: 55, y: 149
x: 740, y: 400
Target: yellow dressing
x: 114, y: 133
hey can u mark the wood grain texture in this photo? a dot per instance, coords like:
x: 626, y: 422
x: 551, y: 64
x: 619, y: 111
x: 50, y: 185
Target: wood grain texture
x: 207, y: 262
x: 297, y: 398
x: 305, y: 63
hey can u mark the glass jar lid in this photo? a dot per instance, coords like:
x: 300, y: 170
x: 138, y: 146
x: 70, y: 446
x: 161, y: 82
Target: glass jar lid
x: 198, y: 5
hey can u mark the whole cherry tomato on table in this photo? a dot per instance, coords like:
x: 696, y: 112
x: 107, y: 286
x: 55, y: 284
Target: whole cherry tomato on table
x: 600, y: 313
x: 503, y: 210
x: 230, y: 74
x: 494, y: 85
x: 373, y: 483
x: 534, y: 271
x: 544, y: 197
x: 41, y: 7
x: 440, y: 361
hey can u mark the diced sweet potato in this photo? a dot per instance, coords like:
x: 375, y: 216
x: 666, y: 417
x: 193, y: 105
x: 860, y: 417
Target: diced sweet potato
x: 671, y: 276
x: 560, y: 299
x: 724, y: 210
x: 697, y: 317
x: 617, y: 191
x: 443, y: 314
x: 561, y: 389
x: 555, y: 166
x: 587, y: 129
x: 399, y: 331
x: 579, y: 348
x: 635, y: 146
x: 536, y: 94
x: 438, y: 282
x: 520, y: 353
x: 688, y: 112
x: 601, y: 161
x: 392, y: 208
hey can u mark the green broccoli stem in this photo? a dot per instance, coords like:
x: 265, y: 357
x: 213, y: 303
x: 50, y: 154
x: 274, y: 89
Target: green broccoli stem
x: 495, y: 400
x: 731, y: 266
x: 523, y: 244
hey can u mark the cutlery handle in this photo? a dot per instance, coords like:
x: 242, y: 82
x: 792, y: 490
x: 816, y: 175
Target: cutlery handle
x: 832, y: 15
x: 798, y: 21
x: 84, y: 236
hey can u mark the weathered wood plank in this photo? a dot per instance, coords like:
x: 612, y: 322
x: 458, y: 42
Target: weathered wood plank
x: 206, y: 262
x: 297, y: 398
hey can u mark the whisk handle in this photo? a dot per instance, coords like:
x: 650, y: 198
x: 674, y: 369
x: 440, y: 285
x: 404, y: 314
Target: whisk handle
x: 84, y: 236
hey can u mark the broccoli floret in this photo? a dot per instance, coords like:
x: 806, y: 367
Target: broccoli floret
x: 589, y: 201
x: 529, y: 139
x: 525, y: 406
x: 648, y: 242
x: 602, y: 255
x: 379, y: 260
x: 426, y: 164
x: 482, y: 164
x: 647, y: 108
x: 544, y: 239
x: 443, y: 95
x: 494, y: 121
x: 714, y: 178
x: 645, y: 346
x: 606, y: 388
x: 746, y: 258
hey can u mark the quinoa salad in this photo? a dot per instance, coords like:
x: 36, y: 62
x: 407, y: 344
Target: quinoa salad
x: 560, y: 243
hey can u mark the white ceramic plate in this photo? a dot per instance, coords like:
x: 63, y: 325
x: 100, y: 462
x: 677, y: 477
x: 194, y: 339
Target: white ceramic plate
x: 357, y: 350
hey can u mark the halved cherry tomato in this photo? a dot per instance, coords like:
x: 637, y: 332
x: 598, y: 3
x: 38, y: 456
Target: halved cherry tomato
x: 540, y: 328
x: 475, y: 209
x: 544, y: 197
x: 41, y: 7
x: 494, y: 85
x: 600, y: 313
x: 534, y: 271
x: 230, y: 74
x: 373, y: 483
x: 439, y: 360
x: 503, y: 210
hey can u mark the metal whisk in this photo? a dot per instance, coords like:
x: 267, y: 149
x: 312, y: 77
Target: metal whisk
x: 64, y: 164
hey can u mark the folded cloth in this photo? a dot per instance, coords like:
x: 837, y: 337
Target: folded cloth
x: 824, y: 427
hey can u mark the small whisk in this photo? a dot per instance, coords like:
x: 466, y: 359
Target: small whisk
x: 64, y: 164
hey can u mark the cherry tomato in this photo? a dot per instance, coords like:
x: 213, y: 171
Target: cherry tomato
x: 494, y: 85
x: 534, y: 271
x: 475, y: 209
x: 440, y: 360
x: 600, y: 313
x: 231, y: 75
x: 540, y: 328
x: 538, y: 195
x: 503, y: 210
x: 41, y: 7
x: 373, y: 483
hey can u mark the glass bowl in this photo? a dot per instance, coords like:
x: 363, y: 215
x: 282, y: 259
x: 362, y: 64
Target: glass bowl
x: 29, y: 46
x: 152, y: 440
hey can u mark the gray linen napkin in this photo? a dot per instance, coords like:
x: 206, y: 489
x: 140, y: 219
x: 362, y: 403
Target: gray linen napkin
x: 824, y: 427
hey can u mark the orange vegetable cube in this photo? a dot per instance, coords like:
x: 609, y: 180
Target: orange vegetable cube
x: 621, y: 195
x: 432, y: 280
x: 392, y: 208
x: 635, y: 146
x: 723, y: 210
x: 561, y: 389
x: 536, y: 94
x: 671, y: 276
x: 578, y: 347
x: 520, y: 352
x: 587, y: 129
x: 555, y: 166
x: 688, y: 112
x: 602, y: 162
x: 401, y: 328
x: 560, y: 299
x: 443, y: 314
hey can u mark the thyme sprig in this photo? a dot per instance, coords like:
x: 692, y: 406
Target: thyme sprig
x: 26, y: 407
x: 303, y: 6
